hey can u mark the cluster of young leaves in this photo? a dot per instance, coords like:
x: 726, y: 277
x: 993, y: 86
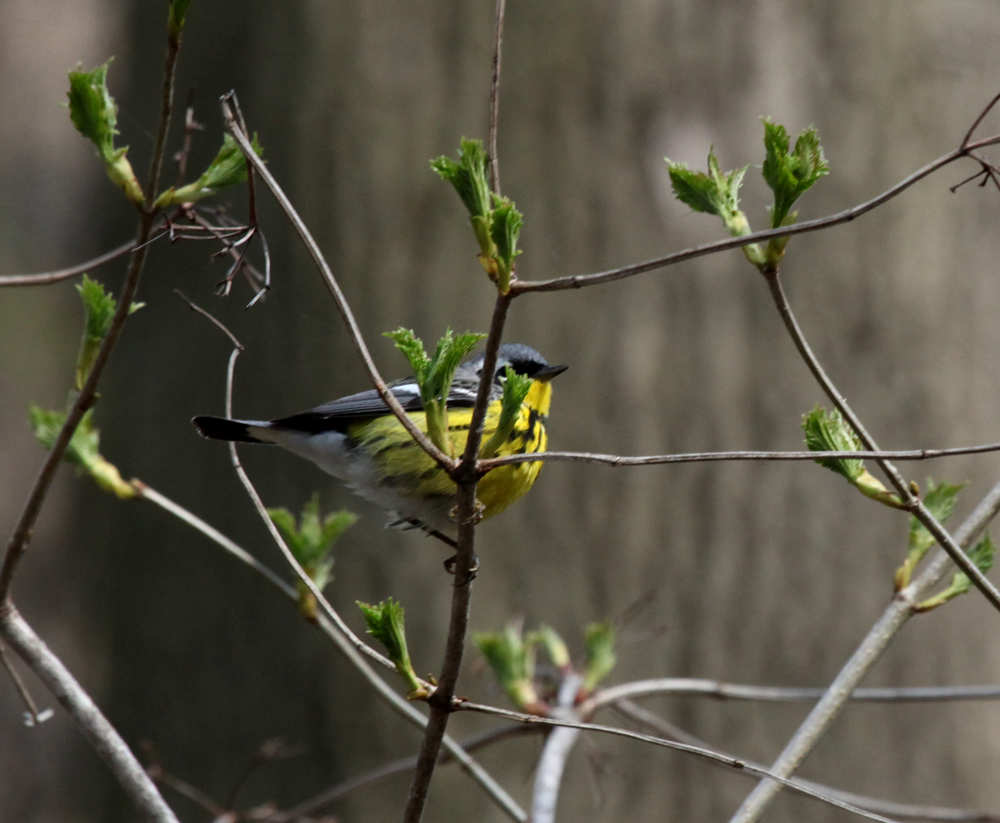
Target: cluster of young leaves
x: 434, y: 375
x: 311, y: 542
x: 982, y: 555
x: 940, y: 500
x: 99, y: 310
x: 84, y: 447
x: 386, y: 624
x: 511, y: 656
x: 495, y: 220
x: 789, y: 174
x: 515, y: 390
x: 95, y: 115
x: 828, y: 431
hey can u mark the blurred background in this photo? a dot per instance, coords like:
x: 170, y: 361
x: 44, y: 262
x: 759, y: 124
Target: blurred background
x: 767, y: 574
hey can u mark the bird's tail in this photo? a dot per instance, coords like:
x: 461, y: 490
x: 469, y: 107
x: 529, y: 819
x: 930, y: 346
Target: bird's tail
x: 221, y: 428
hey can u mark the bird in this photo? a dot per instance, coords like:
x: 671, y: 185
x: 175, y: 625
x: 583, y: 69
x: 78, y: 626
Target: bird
x: 360, y: 441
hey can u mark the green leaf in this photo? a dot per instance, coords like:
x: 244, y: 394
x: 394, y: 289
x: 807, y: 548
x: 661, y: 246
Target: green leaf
x: 829, y: 432
x: 515, y: 390
x: 554, y: 645
x: 386, y: 624
x: 312, y: 540
x: 99, y: 311
x: 599, y: 640
x: 982, y: 555
x: 504, y: 231
x: 790, y: 174
x: 229, y: 168
x: 712, y: 193
x: 940, y: 500
x: 468, y: 176
x: 513, y: 663
x: 434, y: 375
x: 83, y: 450
x: 95, y: 115
x: 176, y: 18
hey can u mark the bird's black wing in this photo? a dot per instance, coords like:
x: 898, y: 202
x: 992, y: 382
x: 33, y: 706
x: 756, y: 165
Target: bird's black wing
x: 338, y: 414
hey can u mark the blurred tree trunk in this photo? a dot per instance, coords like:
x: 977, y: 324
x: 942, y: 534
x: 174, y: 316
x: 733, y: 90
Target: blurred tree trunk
x: 758, y: 573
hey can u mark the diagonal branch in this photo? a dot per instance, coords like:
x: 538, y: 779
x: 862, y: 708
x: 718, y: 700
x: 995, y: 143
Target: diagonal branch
x: 349, y: 649
x: 911, y: 501
x: 896, y: 615
x: 331, y: 283
x: 44, y: 278
x: 103, y: 737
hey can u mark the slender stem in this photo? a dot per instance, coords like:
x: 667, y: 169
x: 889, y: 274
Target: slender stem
x: 404, y: 764
x: 912, y: 502
x: 577, y: 281
x: 95, y: 727
x: 558, y: 745
x: 779, y: 694
x: 900, y: 810
x: 898, y: 612
x: 333, y: 632
x: 18, y: 543
x: 331, y: 283
x: 33, y: 716
x: 465, y: 476
x: 44, y: 278
x: 166, y: 110
x: 699, y: 751
x: 706, y: 457
x: 978, y: 120
x: 495, y: 96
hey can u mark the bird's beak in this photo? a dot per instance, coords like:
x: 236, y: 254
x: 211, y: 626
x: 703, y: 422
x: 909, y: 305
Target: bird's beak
x: 546, y: 374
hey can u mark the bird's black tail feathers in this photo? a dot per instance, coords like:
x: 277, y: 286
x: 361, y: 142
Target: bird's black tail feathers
x: 220, y: 428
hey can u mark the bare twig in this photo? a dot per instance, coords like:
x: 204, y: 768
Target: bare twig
x: 978, y: 120
x: 899, y: 810
x: 88, y: 718
x: 163, y: 128
x: 779, y: 694
x: 707, y: 457
x: 331, y: 283
x: 322, y: 801
x: 898, y: 612
x: 577, y: 281
x: 330, y: 629
x: 465, y: 476
x: 44, y: 278
x: 32, y: 716
x: 911, y: 501
x: 698, y: 751
x: 495, y: 96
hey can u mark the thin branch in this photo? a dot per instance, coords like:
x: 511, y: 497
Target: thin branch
x: 32, y: 717
x: 166, y: 111
x: 779, y: 694
x: 102, y: 736
x: 495, y: 96
x: 899, y: 810
x: 911, y: 502
x: 896, y: 615
x: 465, y: 476
x: 978, y: 120
x: 577, y: 281
x: 331, y: 283
x: 698, y: 751
x: 322, y: 801
x: 330, y: 629
x: 708, y: 457
x: 44, y: 278
x: 558, y: 745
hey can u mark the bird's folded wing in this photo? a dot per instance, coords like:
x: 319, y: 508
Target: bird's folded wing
x: 337, y: 414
